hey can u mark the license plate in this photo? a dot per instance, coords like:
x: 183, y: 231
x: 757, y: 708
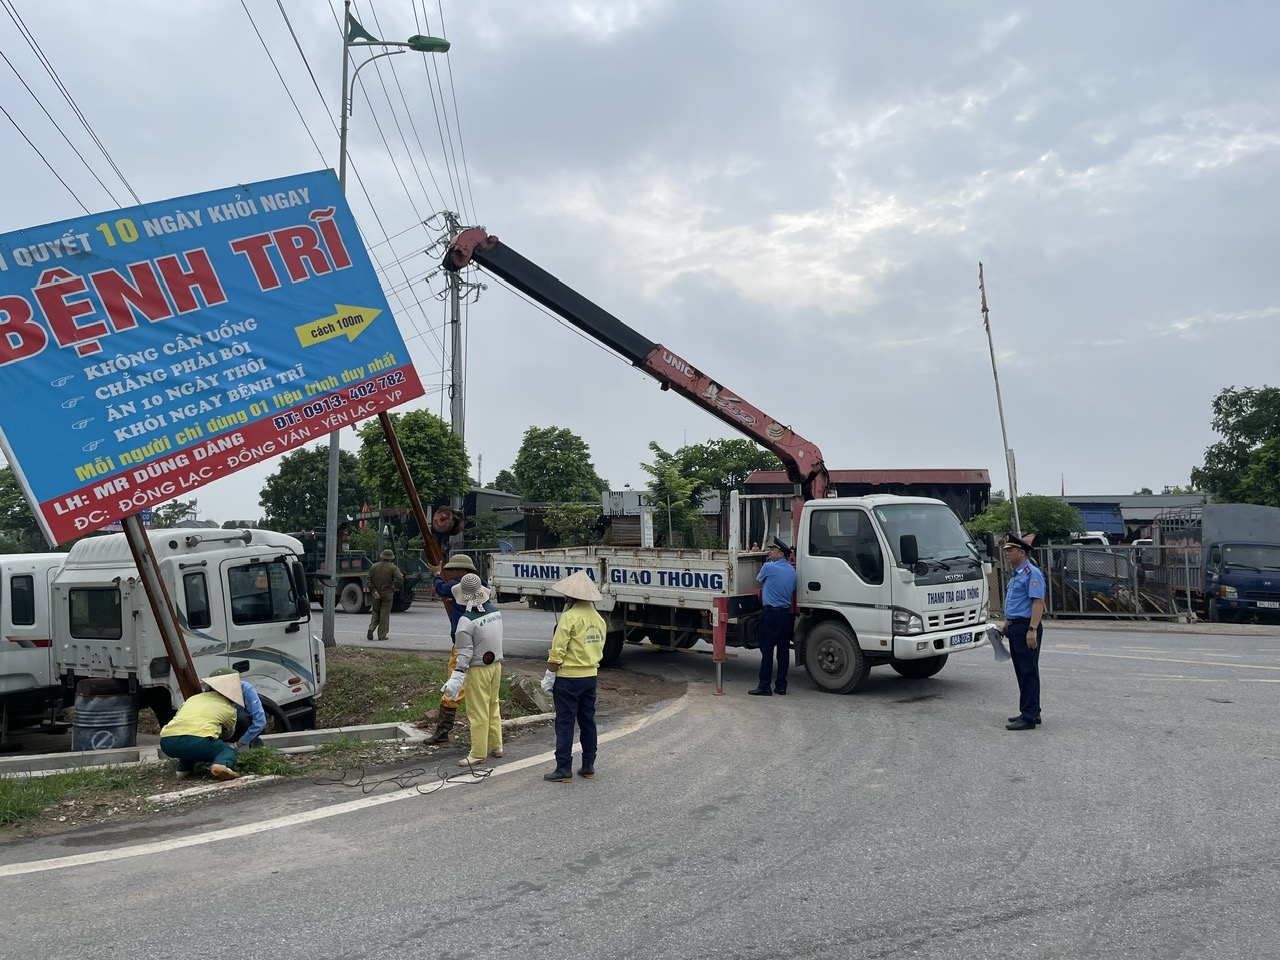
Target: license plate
x: 1269, y: 604
x: 960, y: 639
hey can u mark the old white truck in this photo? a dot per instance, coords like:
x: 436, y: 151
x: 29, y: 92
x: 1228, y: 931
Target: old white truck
x: 240, y: 597
x: 29, y: 688
x: 881, y: 580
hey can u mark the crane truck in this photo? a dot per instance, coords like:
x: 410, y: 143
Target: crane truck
x: 881, y: 580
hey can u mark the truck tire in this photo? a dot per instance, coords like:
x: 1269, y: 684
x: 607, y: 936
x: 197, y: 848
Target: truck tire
x: 919, y: 669
x: 833, y: 659
x: 352, y: 597
x: 401, y: 604
x: 613, y: 644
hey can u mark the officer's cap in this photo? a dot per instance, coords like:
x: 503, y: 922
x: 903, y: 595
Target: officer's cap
x: 775, y: 542
x: 1023, y: 543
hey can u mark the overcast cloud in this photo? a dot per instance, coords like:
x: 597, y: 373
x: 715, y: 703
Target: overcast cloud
x: 792, y: 197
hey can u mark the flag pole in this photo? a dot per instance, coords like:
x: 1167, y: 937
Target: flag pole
x: 1004, y: 433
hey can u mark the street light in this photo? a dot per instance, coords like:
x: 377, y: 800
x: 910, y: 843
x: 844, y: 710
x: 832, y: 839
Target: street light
x: 354, y: 35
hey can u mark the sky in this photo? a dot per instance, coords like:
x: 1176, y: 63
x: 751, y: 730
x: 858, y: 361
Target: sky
x: 795, y: 198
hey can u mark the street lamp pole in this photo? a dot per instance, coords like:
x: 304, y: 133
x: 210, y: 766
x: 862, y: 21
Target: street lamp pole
x: 354, y: 35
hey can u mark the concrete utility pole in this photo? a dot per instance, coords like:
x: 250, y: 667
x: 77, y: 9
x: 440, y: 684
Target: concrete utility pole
x: 1004, y: 434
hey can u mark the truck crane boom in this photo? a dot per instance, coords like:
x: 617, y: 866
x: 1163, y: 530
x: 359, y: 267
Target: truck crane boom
x: 801, y: 458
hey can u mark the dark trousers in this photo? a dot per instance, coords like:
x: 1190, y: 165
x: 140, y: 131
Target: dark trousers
x: 775, y: 635
x: 575, y: 699
x: 1026, y: 667
x: 189, y: 751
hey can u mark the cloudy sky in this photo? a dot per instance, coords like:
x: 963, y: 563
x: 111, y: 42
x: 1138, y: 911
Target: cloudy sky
x: 794, y: 197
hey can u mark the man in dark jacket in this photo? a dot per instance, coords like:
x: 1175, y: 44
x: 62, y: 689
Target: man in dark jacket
x: 383, y: 582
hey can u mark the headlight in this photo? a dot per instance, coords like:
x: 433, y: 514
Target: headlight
x: 907, y: 623
x: 1227, y: 593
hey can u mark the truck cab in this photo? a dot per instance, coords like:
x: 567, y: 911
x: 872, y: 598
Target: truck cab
x: 29, y: 689
x: 1242, y: 581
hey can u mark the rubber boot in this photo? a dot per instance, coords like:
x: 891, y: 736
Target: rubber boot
x: 444, y: 724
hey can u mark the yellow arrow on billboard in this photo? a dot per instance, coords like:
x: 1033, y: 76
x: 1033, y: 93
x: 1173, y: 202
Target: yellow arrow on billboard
x: 348, y: 322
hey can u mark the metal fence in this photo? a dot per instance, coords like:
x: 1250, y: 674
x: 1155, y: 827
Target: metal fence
x: 1150, y: 582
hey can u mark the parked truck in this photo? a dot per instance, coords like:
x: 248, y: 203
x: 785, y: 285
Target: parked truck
x: 241, y: 601
x: 29, y: 689
x: 1224, y: 559
x: 353, y: 567
x: 881, y: 580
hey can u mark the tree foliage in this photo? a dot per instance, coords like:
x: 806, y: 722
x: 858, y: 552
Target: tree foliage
x: 169, y: 514
x: 1234, y: 470
x: 677, y: 521
x: 574, y: 524
x: 1047, y: 517
x: 436, y: 456
x: 506, y: 482
x: 554, y: 466
x: 717, y: 465
x: 19, y: 532
x: 295, y: 496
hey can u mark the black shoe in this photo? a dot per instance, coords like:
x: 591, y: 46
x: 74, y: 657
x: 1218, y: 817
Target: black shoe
x: 1019, y: 725
x: 1015, y: 719
x: 559, y: 776
x: 369, y: 634
x: 780, y: 691
x: 761, y: 692
x: 587, y: 771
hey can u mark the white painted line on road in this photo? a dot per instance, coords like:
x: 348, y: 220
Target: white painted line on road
x: 1258, y: 680
x: 323, y: 813
x: 1194, y: 663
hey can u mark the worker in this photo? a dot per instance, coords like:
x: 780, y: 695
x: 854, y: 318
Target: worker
x: 383, y: 581
x: 251, y: 719
x: 1024, y: 613
x: 199, y: 730
x: 443, y: 580
x: 778, y: 582
x: 478, y: 665
x: 572, y: 664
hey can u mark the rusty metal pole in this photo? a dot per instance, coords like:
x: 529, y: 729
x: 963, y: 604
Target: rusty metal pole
x: 158, y: 596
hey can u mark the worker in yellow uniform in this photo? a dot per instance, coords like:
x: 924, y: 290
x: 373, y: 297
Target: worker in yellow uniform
x: 572, y: 664
x: 204, y: 723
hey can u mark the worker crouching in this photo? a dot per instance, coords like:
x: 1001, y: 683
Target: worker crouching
x: 201, y: 727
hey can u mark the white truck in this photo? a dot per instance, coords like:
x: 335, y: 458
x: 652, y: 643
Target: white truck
x: 881, y: 580
x: 29, y: 688
x: 240, y: 597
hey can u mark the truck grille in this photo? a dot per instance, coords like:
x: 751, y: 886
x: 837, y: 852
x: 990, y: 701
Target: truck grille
x: 951, y: 618
x: 1272, y: 595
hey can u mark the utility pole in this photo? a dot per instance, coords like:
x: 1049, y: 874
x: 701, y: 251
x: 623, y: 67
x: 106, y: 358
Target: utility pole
x: 1004, y: 434
x: 457, y: 399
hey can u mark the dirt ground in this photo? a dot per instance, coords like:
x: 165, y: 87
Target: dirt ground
x: 620, y: 693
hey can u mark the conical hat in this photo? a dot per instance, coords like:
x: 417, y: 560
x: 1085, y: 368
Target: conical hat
x: 228, y: 686
x: 577, y: 586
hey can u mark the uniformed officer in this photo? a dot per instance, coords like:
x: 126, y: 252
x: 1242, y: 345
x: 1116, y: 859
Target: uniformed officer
x: 777, y: 583
x: 1024, y: 611
x: 383, y: 581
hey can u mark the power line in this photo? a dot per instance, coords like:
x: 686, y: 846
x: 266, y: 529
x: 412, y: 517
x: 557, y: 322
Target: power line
x: 280, y: 76
x: 45, y: 159
x: 453, y: 93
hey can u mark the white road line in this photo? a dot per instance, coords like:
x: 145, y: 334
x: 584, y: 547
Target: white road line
x: 1194, y: 663
x: 293, y: 820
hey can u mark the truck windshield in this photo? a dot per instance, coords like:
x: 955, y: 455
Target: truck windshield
x: 939, y: 535
x: 1260, y: 556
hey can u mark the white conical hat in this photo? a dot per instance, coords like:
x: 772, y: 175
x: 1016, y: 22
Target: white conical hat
x: 577, y: 586
x: 228, y: 686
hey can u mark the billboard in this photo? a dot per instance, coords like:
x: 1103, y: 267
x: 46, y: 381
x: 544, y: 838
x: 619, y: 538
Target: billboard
x: 148, y: 351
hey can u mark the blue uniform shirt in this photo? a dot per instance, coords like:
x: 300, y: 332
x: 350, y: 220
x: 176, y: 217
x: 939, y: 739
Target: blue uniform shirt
x: 1026, y: 585
x: 257, y: 716
x: 444, y: 589
x: 779, y: 580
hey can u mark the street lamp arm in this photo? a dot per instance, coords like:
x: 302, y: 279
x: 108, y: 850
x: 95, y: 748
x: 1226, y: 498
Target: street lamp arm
x: 351, y: 85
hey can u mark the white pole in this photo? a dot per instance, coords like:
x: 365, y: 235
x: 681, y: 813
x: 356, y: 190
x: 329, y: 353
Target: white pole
x: 1004, y: 433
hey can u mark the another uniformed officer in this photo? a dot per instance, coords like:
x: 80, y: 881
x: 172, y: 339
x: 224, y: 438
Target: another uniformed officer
x: 777, y: 583
x: 383, y: 581
x: 1024, y: 610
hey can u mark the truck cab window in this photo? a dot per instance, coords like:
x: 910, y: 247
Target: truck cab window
x: 850, y: 536
x: 22, y: 600
x: 195, y: 591
x: 95, y: 613
x: 261, y: 593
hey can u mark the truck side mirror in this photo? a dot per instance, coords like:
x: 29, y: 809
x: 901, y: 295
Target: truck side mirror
x: 300, y: 595
x: 908, y: 549
x: 989, y: 541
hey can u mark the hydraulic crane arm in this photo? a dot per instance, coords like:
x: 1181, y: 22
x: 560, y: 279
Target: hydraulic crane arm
x: 802, y: 459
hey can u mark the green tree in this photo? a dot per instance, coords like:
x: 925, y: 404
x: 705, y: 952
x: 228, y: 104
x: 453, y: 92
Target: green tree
x: 19, y: 532
x: 1047, y: 517
x: 554, y: 466
x: 1245, y: 419
x: 436, y: 456
x: 506, y: 482
x: 676, y: 520
x: 1261, y: 480
x: 574, y: 524
x: 717, y: 465
x: 169, y: 514
x: 296, y: 495
x: 482, y: 532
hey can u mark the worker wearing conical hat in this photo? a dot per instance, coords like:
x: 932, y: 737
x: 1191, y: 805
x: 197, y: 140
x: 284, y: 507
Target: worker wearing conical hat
x: 572, y: 664
x: 201, y: 727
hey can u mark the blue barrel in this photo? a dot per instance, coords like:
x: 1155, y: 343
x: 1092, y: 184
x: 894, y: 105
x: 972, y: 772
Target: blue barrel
x: 106, y: 716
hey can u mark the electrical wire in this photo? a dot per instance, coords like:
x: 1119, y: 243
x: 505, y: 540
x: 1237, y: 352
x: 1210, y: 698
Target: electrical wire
x: 453, y: 93
x: 280, y: 76
x: 45, y: 159
x: 405, y: 779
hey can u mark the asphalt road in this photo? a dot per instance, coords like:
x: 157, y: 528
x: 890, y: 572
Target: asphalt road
x: 904, y: 821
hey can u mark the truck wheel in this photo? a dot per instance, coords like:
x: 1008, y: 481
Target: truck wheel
x: 833, y: 658
x: 401, y: 604
x: 352, y: 598
x: 613, y: 643
x: 919, y: 669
